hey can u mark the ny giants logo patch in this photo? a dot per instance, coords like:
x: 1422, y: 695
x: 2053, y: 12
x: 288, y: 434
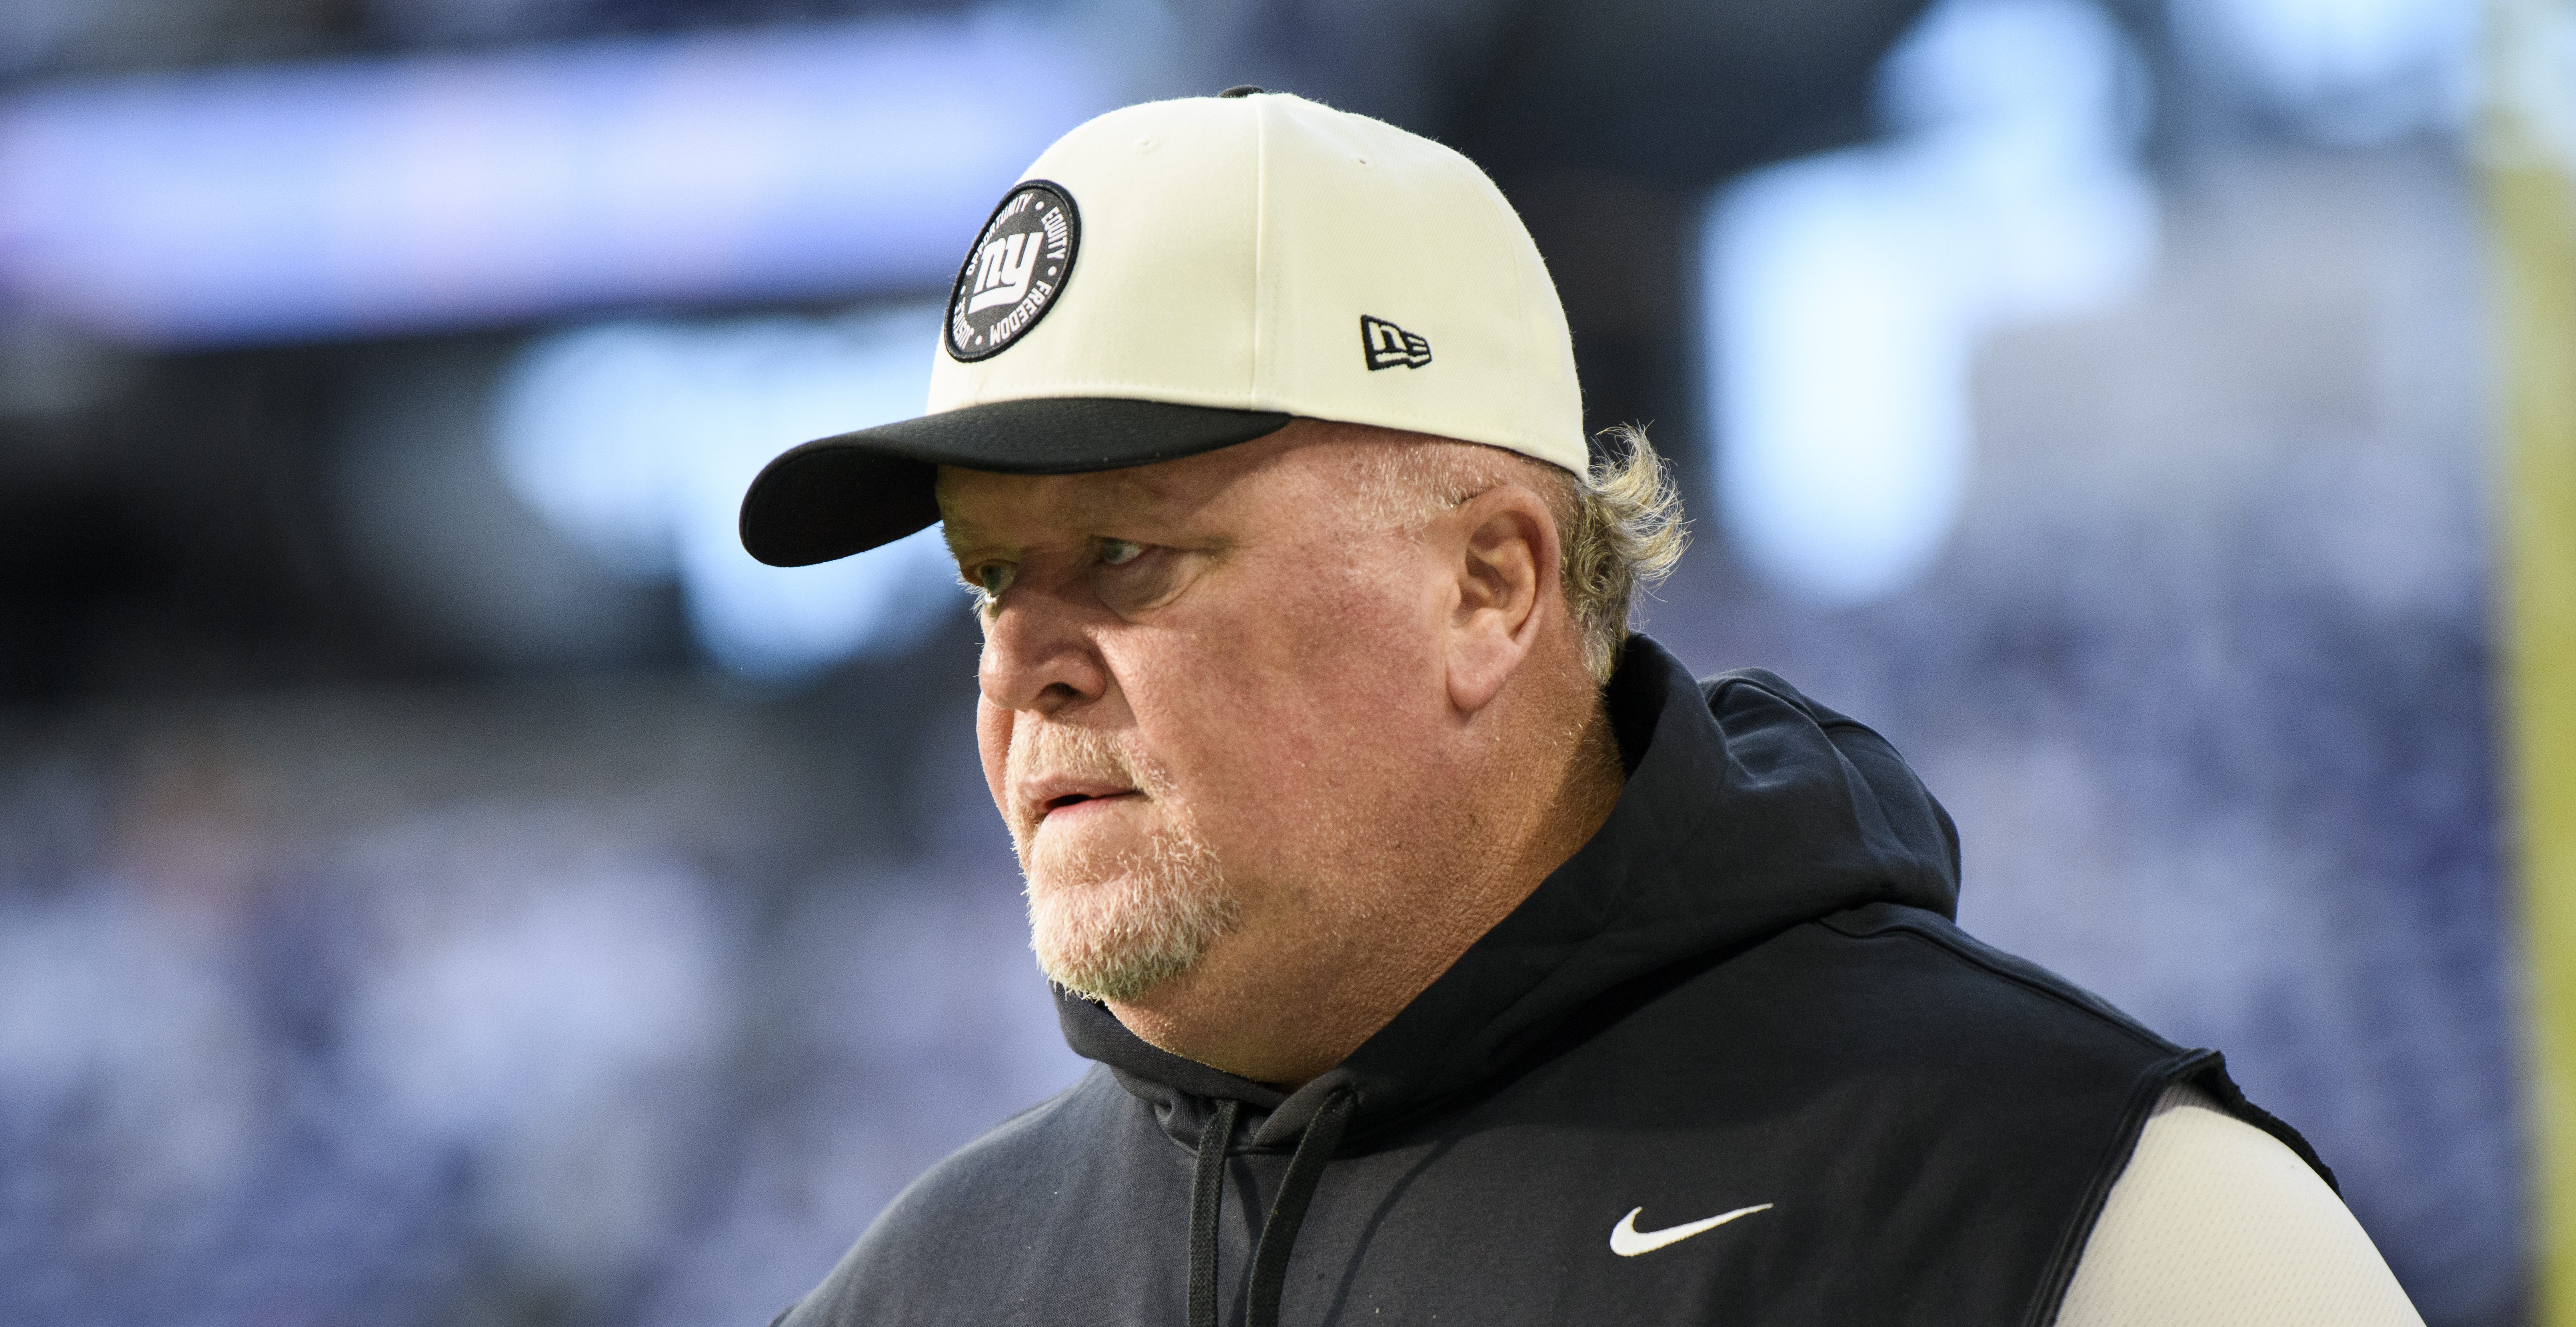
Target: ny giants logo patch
x: 1014, y: 272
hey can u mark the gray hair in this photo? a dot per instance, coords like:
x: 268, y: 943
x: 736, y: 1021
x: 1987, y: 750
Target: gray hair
x: 1620, y: 525
x: 1626, y: 534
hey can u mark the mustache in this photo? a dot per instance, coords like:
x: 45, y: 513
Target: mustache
x: 1062, y: 751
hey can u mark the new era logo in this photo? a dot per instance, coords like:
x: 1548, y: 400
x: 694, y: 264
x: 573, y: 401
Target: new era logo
x: 1389, y: 345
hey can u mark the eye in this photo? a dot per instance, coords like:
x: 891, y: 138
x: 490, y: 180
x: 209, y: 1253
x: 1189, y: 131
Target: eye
x: 1119, y: 552
x: 988, y: 580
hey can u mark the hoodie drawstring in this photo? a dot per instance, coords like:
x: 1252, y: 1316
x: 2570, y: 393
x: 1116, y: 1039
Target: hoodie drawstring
x: 1279, y: 1233
x: 1207, y: 1189
x: 1315, y: 1150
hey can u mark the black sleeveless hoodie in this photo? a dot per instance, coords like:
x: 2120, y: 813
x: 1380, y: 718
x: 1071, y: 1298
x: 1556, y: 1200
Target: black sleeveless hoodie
x: 1744, y: 996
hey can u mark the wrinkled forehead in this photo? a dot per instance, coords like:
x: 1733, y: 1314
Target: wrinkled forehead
x: 974, y: 493
x: 1300, y: 469
x: 983, y: 505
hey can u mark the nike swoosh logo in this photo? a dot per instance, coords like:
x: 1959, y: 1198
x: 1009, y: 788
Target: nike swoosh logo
x: 1627, y: 1241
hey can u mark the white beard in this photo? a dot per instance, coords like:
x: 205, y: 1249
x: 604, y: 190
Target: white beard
x: 1113, y: 930
x: 1112, y: 926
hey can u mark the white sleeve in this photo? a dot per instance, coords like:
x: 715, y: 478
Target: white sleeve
x: 2216, y: 1223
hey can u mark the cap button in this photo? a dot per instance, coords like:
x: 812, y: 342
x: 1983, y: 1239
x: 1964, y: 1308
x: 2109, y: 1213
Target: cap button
x: 1241, y: 90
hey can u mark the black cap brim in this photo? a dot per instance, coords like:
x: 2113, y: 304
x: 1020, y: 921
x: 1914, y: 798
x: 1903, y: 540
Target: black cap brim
x: 851, y: 492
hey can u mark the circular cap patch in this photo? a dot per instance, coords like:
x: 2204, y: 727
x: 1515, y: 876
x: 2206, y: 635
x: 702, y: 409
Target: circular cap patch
x: 1014, y: 272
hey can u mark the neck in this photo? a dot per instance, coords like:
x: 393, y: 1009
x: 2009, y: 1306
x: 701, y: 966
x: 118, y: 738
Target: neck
x: 1287, y: 997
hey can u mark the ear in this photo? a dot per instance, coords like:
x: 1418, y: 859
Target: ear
x: 1505, y: 557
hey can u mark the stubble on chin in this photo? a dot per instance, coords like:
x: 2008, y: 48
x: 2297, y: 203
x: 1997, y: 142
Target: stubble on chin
x: 1114, y: 924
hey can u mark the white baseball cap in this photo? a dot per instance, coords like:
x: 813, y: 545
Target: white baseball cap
x: 1180, y: 276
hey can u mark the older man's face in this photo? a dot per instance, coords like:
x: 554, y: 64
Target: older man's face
x: 1202, y: 684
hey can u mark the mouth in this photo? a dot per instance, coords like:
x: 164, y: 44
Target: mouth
x: 1071, y: 801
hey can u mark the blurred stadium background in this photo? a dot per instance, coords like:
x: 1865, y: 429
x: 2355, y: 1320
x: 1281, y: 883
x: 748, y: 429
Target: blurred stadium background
x: 443, y: 881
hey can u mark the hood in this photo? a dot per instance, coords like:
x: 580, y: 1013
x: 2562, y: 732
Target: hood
x: 1748, y: 809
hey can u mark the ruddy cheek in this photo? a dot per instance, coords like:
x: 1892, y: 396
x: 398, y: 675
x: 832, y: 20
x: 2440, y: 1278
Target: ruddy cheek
x: 993, y: 746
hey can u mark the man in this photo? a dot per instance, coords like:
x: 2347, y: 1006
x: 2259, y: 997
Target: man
x: 1446, y: 950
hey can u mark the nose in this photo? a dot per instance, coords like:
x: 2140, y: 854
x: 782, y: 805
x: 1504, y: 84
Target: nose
x: 1038, y: 658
